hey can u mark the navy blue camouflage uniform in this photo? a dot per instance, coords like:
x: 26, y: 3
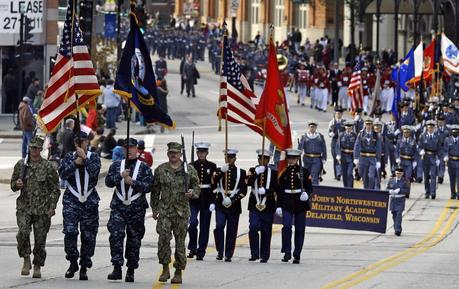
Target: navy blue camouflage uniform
x: 84, y: 215
x: 128, y: 220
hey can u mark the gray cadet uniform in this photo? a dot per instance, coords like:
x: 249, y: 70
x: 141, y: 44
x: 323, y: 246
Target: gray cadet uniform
x: 315, y: 153
x: 452, y: 159
x: 335, y: 128
x: 345, y: 154
x: 398, y: 189
x: 406, y: 153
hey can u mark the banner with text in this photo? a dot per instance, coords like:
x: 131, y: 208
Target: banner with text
x: 10, y: 15
x: 347, y: 208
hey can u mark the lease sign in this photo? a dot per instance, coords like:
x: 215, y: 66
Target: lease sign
x: 10, y: 15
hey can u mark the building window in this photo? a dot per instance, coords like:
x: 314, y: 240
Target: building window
x: 303, y: 16
x: 255, y: 12
x: 279, y: 13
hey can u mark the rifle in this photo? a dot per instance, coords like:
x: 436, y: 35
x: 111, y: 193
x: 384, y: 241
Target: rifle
x: 186, y: 179
x: 192, y: 149
x: 301, y: 170
x: 26, y: 160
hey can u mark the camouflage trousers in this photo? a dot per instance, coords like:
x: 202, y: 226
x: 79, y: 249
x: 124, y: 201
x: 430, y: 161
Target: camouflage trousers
x: 86, y: 215
x: 40, y: 225
x: 165, y: 227
x: 126, y: 221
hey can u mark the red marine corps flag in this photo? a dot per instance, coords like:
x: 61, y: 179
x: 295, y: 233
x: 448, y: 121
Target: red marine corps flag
x: 272, y: 112
x: 72, y: 74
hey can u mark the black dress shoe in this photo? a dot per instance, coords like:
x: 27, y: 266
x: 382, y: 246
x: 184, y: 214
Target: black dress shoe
x: 72, y: 269
x: 440, y: 180
x: 398, y: 233
x: 199, y: 258
x: 263, y: 261
x: 253, y: 258
x: 227, y: 259
x: 219, y: 257
x: 426, y: 196
x: 83, y: 274
x: 191, y: 255
x: 296, y: 261
x: 116, y: 274
x: 129, y: 275
x: 286, y: 258
x: 433, y: 197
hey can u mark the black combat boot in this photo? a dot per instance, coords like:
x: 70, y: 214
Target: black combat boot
x: 72, y: 269
x: 83, y: 273
x: 286, y: 258
x: 116, y: 274
x: 129, y: 275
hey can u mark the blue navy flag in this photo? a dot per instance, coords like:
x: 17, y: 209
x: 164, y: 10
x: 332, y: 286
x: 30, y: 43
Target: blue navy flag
x: 135, y: 78
x: 395, y: 76
x: 407, y: 71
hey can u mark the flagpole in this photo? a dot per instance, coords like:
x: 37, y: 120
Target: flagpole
x: 225, y: 36
x: 128, y: 112
x: 77, y: 127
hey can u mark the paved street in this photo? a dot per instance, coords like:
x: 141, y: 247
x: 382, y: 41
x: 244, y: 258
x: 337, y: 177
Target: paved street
x: 425, y: 256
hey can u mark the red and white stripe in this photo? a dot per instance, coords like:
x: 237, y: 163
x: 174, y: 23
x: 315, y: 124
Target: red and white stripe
x: 355, y: 90
x: 239, y: 105
x: 69, y: 76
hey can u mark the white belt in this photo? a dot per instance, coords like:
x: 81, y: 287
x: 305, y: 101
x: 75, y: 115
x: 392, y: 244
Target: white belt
x: 204, y: 186
x: 128, y: 197
x: 293, y: 191
x: 128, y: 201
x: 80, y: 197
x: 398, y: 196
x: 81, y: 193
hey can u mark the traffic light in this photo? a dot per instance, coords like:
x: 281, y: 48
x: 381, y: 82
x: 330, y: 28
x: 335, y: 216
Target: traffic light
x: 28, y: 27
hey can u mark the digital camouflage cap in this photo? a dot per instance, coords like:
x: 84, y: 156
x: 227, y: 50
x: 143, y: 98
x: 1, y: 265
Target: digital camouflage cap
x: 174, y: 147
x: 36, y: 142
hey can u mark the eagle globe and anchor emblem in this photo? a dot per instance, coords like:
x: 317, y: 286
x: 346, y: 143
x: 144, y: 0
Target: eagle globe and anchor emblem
x: 137, y: 78
x: 451, y: 51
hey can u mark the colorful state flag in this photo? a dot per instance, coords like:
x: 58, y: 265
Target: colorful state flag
x: 272, y: 111
x: 407, y: 71
x: 136, y: 81
x: 450, y: 55
x: 429, y: 61
x: 236, y: 98
x: 72, y: 74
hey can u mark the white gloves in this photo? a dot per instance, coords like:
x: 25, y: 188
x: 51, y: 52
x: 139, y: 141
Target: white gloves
x: 304, y: 196
x: 357, y: 117
x: 415, y: 164
x: 338, y: 158
x: 394, y: 191
x: 422, y: 153
x: 397, y: 132
x: 378, y: 165
x: 331, y: 134
x: 261, y: 191
x: 260, y: 169
x: 445, y: 158
x: 356, y: 162
x: 323, y: 162
x: 418, y: 126
x: 437, y: 162
x: 397, y: 161
x: 279, y: 212
x: 224, y: 168
x: 212, y: 207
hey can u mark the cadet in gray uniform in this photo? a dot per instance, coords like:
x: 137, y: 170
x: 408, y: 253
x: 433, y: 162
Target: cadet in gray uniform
x: 430, y: 147
x: 406, y: 154
x: 452, y: 159
x: 443, y: 132
x: 367, y: 153
x: 315, y: 152
x: 336, y: 127
x: 345, y: 153
x: 398, y: 188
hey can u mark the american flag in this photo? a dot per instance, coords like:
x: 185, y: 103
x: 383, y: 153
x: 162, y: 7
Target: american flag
x: 355, y: 87
x: 236, y: 97
x: 73, y: 73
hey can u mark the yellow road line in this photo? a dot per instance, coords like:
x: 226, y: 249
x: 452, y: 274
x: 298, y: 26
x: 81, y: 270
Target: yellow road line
x: 418, y: 248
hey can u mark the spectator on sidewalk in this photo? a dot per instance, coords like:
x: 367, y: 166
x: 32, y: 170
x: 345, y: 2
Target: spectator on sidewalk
x: 112, y: 102
x: 38, y: 100
x: 143, y: 155
x: 191, y: 76
x: 95, y: 117
x: 33, y: 89
x: 65, y: 138
x: 108, y: 144
x: 97, y: 141
x: 118, y: 151
x: 27, y: 123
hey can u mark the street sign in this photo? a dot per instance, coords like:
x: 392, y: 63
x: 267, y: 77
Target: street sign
x: 234, y: 6
x: 10, y: 15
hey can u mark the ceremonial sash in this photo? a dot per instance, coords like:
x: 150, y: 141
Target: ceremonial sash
x: 261, y: 202
x: 235, y: 190
x: 127, y: 197
x: 81, y: 195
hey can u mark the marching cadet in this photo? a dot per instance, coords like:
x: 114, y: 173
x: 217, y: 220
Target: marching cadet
x: 80, y: 169
x: 367, y: 84
x: 170, y: 206
x: 443, y: 132
x: 378, y: 128
x: 452, y: 159
x: 390, y: 142
x: 335, y: 128
x: 358, y: 120
x: 295, y: 187
x: 387, y: 91
x: 343, y: 83
x: 345, y: 153
x: 303, y: 76
x: 39, y: 184
x: 398, y: 188
x: 230, y: 188
x: 315, y: 152
x: 406, y: 153
x: 201, y: 205
x: 367, y: 154
x: 262, y: 206
x: 430, y: 146
x: 132, y: 179
x: 322, y: 89
x: 407, y: 116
